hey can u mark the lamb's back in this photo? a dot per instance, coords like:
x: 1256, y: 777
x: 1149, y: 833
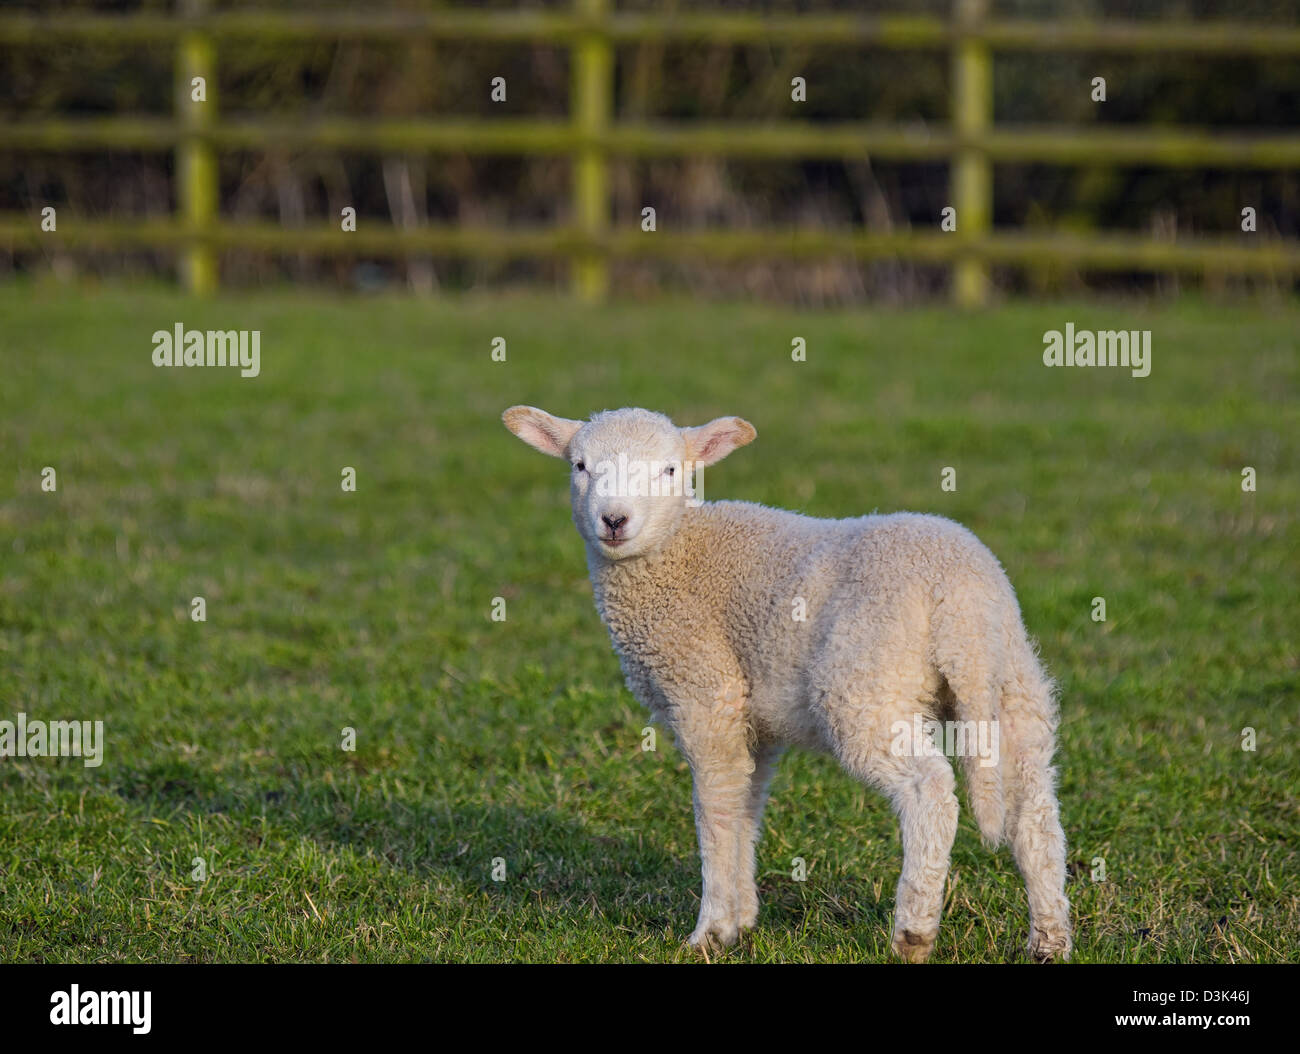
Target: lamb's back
x: 781, y: 581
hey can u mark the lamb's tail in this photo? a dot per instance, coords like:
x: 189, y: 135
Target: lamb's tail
x: 978, y: 710
x: 1006, y: 707
x: 971, y: 654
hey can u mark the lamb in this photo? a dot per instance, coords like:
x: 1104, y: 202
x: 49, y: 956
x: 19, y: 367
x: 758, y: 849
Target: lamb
x: 904, y: 617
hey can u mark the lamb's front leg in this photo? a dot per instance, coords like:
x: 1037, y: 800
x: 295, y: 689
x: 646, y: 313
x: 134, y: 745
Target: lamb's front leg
x: 766, y: 757
x: 713, y: 736
x: 721, y: 796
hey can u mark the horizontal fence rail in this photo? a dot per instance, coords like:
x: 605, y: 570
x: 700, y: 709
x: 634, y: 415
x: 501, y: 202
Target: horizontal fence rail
x: 900, y: 32
x: 972, y: 143
x: 1157, y: 148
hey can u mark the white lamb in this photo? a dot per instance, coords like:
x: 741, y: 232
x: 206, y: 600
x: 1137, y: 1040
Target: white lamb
x: 903, y: 615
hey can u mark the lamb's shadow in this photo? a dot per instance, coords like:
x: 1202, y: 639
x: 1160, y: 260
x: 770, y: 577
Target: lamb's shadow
x: 515, y: 857
x: 526, y: 858
x: 523, y: 858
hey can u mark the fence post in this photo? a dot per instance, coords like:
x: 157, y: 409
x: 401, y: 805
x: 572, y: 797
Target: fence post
x: 196, y: 165
x: 593, y: 69
x: 972, y: 175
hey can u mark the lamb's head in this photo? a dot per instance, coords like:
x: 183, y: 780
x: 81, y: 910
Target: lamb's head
x: 630, y: 470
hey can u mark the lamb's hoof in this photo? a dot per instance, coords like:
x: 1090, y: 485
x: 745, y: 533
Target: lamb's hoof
x: 713, y: 936
x: 1049, y: 945
x: 913, y: 947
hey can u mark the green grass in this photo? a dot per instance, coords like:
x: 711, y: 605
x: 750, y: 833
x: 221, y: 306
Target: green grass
x: 479, y: 739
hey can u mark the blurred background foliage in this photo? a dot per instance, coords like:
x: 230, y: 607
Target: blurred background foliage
x: 671, y: 82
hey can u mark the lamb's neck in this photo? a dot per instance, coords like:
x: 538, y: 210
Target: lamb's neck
x: 612, y: 580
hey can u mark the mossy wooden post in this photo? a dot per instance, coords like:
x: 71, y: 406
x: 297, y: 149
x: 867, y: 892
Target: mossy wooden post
x: 196, y: 165
x: 972, y: 174
x: 593, y: 69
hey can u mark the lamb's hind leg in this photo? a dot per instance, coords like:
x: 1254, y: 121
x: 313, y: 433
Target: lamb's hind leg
x: 1033, y: 822
x: 924, y: 798
x: 922, y: 791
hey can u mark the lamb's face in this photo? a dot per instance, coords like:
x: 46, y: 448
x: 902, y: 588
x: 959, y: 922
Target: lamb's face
x: 630, y: 470
x: 629, y: 481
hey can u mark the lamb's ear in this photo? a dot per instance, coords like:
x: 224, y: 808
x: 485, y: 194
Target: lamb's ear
x: 540, y: 430
x: 712, y: 442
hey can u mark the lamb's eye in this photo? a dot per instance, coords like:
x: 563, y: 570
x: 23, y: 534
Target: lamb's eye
x: 581, y: 466
x: 670, y: 470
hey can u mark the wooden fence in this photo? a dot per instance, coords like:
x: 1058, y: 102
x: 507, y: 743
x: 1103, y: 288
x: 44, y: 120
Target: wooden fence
x: 592, y: 30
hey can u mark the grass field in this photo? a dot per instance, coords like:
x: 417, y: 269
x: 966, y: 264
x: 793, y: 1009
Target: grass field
x: 517, y: 740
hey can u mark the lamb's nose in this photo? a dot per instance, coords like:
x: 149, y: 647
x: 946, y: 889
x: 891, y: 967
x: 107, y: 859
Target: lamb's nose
x: 614, y: 522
